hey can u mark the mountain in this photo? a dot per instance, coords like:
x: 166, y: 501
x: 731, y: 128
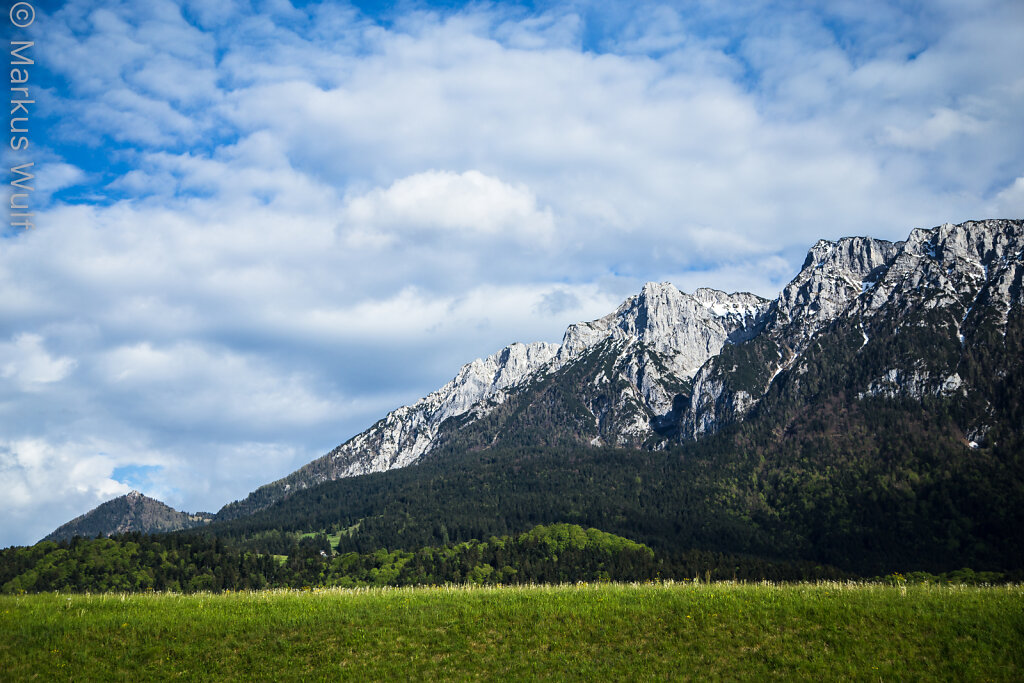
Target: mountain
x: 922, y: 306
x: 833, y: 275
x: 667, y: 367
x: 130, y: 512
x: 656, y: 341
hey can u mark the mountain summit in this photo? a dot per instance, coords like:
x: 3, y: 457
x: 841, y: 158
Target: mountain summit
x: 130, y: 512
x: 656, y: 341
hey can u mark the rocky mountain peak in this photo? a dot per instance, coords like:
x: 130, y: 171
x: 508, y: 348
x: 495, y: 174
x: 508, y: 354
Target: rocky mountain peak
x: 955, y: 264
x: 963, y: 271
x: 723, y: 304
x: 853, y: 255
x: 833, y: 275
x: 131, y: 512
x: 498, y: 371
x: 686, y: 329
x: 981, y: 241
x: 656, y: 312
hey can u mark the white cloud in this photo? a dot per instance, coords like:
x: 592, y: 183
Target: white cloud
x: 1009, y: 203
x: 938, y: 128
x: 189, y: 386
x: 25, y: 361
x: 137, y: 73
x: 43, y: 484
x: 53, y: 177
x: 464, y: 203
x: 612, y: 144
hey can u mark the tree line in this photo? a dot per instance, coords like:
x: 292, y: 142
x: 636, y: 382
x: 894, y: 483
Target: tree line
x: 546, y: 554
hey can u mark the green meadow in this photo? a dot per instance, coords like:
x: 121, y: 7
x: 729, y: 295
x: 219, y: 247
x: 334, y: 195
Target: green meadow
x: 576, y: 632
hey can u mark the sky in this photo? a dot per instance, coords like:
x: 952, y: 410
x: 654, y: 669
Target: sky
x: 260, y: 226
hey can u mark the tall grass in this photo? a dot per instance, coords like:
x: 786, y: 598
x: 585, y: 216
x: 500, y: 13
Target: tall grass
x: 583, y: 632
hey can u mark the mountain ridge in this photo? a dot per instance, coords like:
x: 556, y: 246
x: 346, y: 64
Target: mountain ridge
x: 684, y: 330
x: 674, y: 377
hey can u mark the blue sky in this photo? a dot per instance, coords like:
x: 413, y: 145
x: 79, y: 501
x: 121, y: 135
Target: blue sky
x: 262, y: 225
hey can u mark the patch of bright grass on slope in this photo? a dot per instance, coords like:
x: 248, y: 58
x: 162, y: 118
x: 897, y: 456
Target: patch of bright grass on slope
x: 587, y: 632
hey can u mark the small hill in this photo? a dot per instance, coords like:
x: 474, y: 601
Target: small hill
x: 130, y: 512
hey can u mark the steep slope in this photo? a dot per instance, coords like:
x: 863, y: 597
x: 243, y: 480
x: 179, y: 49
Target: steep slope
x: 872, y: 486
x: 952, y: 281
x: 833, y: 275
x: 668, y: 365
x: 130, y: 512
x: 941, y: 323
x: 631, y: 390
x: 656, y: 340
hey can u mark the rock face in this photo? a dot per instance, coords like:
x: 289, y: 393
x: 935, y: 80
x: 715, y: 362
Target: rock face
x: 130, y: 512
x: 953, y: 292
x: 667, y: 365
x: 949, y: 280
x: 833, y: 275
x: 657, y: 340
x: 686, y: 330
x: 407, y: 433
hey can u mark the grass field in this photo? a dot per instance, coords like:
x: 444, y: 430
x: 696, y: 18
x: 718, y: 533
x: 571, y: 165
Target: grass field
x: 586, y: 632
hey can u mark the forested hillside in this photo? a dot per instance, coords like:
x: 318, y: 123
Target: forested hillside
x: 871, y: 486
x: 186, y: 563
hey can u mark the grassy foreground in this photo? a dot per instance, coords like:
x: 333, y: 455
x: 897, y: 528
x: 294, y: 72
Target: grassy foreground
x: 592, y: 632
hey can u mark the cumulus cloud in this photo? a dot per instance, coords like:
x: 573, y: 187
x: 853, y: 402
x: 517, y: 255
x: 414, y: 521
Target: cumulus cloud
x: 456, y: 205
x: 556, y: 301
x: 38, y: 476
x: 25, y: 361
x: 53, y: 177
x: 1010, y: 200
x: 286, y: 223
x: 190, y: 386
x: 938, y: 128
